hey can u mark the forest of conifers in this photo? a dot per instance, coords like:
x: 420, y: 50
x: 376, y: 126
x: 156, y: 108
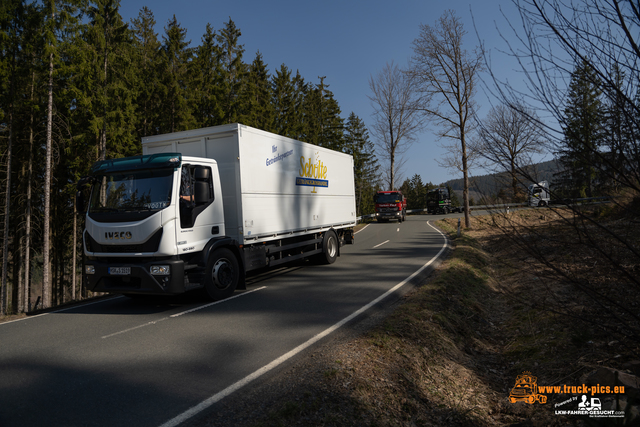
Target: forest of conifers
x: 78, y: 84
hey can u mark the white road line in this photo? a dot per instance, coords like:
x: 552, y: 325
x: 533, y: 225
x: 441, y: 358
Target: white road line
x: 61, y: 310
x: 24, y: 318
x: 362, y: 229
x: 246, y: 380
x: 180, y: 314
x: 216, y: 302
x: 134, y: 328
x: 387, y: 241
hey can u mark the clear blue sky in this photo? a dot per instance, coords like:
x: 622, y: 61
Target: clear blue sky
x: 347, y: 41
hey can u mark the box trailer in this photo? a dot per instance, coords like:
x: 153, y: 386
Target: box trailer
x: 201, y: 208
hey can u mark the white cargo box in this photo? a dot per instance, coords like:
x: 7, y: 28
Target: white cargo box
x: 272, y: 186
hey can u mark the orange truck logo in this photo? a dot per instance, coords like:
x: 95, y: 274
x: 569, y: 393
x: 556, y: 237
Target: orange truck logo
x: 526, y: 389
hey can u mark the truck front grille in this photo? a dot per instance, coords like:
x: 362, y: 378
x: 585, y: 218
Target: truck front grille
x: 150, y: 245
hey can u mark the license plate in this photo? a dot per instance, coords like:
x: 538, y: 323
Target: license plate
x: 120, y: 270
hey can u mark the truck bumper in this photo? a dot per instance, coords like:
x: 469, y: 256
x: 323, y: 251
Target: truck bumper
x: 137, y: 279
x: 388, y: 215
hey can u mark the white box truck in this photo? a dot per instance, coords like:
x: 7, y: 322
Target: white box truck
x: 201, y: 208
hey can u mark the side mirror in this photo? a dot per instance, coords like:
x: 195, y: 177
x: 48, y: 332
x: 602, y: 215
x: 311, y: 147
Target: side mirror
x: 201, y: 191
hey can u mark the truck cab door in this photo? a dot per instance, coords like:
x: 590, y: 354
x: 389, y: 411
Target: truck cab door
x: 200, y: 207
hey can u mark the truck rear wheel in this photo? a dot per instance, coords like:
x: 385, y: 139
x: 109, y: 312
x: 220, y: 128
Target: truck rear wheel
x: 330, y: 247
x: 222, y: 274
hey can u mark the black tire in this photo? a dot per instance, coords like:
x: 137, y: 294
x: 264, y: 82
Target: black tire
x: 221, y: 274
x: 330, y: 247
x: 542, y: 204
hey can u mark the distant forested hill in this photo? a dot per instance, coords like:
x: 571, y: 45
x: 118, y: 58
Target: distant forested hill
x: 490, y: 185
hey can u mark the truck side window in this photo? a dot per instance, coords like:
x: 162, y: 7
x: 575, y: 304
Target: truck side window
x: 196, y: 193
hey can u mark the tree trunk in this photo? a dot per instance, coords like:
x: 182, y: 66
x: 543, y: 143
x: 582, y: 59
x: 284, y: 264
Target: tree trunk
x: 27, y: 229
x: 7, y: 208
x: 75, y: 246
x: 46, y: 275
x: 465, y: 172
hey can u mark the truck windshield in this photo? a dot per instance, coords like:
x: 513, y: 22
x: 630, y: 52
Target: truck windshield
x: 435, y: 195
x: 133, y: 191
x: 388, y: 198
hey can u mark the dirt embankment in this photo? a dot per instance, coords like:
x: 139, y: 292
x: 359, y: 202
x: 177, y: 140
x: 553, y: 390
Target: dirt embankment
x: 450, y: 352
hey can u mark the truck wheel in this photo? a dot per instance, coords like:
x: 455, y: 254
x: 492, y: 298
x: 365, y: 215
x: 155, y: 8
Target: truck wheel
x: 542, y: 204
x: 222, y: 273
x: 330, y: 247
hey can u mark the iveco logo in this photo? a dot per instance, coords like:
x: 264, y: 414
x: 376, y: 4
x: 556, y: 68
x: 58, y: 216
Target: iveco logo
x: 110, y: 235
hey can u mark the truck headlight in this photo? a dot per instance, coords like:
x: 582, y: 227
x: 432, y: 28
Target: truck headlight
x: 160, y: 270
x: 89, y: 269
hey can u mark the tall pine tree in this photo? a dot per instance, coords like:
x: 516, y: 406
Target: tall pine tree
x: 365, y: 164
x: 286, y: 103
x: 109, y: 80
x: 583, y: 133
x: 258, y: 109
x: 206, y: 79
x: 146, y: 51
x: 175, y: 100
x: 233, y: 71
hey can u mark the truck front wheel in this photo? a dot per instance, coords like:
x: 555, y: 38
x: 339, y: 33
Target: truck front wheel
x: 222, y: 274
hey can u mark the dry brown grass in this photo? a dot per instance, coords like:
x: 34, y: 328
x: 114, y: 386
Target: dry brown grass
x: 450, y: 353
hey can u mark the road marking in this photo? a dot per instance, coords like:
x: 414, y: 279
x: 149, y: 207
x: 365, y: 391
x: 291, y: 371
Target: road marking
x: 381, y: 244
x: 249, y: 378
x: 216, y: 302
x: 191, y: 310
x: 398, y: 229
x: 24, y: 318
x: 134, y: 328
x: 362, y: 229
x: 60, y: 310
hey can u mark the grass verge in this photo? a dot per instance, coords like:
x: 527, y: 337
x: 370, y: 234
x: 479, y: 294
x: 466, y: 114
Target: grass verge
x: 449, y: 354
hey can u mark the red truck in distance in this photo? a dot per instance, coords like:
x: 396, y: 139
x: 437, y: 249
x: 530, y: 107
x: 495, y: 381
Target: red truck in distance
x: 390, y: 205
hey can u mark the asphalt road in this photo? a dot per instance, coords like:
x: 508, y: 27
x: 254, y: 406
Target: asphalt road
x: 121, y: 362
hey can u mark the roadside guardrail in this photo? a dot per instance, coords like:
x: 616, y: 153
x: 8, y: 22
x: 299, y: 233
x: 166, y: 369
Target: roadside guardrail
x: 580, y: 201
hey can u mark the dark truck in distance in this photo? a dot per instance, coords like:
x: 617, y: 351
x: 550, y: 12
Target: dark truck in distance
x: 438, y: 201
x: 390, y: 205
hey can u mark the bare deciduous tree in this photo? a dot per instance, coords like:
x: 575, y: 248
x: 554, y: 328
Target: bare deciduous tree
x: 446, y: 76
x: 508, y: 138
x: 396, y: 119
x: 597, y: 256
